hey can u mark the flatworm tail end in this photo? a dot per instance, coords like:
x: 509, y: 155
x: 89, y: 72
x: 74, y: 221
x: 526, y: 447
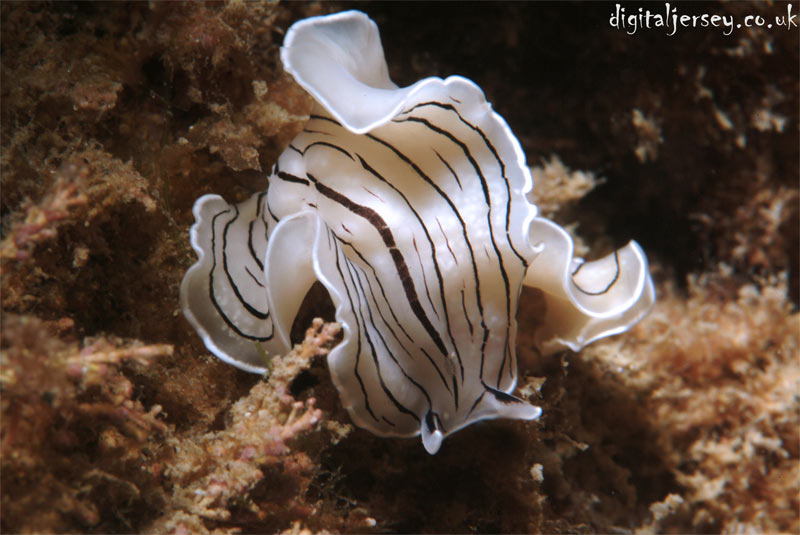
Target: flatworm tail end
x: 223, y: 295
x: 431, y: 432
x: 491, y: 404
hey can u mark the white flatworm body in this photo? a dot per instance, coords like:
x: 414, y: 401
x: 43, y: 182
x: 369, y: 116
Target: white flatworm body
x: 409, y: 205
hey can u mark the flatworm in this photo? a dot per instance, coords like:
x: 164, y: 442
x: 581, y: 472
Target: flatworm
x: 410, y: 206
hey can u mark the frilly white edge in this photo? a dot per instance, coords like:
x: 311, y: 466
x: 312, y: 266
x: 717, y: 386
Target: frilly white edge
x: 586, y: 301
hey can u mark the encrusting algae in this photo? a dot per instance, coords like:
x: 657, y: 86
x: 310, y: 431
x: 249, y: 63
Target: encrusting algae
x: 114, y: 417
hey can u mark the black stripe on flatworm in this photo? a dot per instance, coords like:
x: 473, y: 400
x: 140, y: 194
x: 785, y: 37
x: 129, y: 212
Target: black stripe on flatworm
x: 438, y: 272
x: 329, y: 145
x: 457, y: 214
x: 388, y: 351
x: 455, y: 175
x: 483, y: 349
x: 247, y: 269
x: 367, y: 189
x: 610, y: 284
x: 388, y: 240
x: 250, y: 309
x: 507, y: 357
x: 466, y: 314
x: 380, y: 286
x: 376, y: 361
x: 291, y: 178
x: 497, y: 158
x: 253, y: 255
x: 400, y: 265
x: 485, y: 187
x: 424, y: 277
x: 339, y: 253
x: 475, y: 404
x: 385, y: 300
x: 447, y: 241
x: 211, y: 295
x: 499, y: 395
x: 433, y: 422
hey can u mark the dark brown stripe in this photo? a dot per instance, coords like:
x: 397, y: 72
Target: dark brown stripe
x: 388, y: 240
